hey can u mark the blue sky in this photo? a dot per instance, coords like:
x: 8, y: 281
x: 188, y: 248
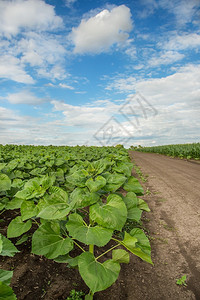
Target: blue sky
x: 76, y: 72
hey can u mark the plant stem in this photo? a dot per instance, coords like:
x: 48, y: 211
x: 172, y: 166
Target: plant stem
x: 78, y: 245
x: 2, y: 211
x: 91, y: 249
x: 108, y: 251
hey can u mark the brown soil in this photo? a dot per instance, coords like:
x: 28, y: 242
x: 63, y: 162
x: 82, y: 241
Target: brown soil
x: 173, y: 226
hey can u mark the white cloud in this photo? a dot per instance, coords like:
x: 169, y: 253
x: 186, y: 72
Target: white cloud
x: 24, y: 97
x: 40, y: 49
x: 100, y: 32
x: 69, y: 3
x: 65, y: 86
x: 123, y: 84
x: 150, y: 7
x: 12, y: 68
x: 82, y: 115
x: 183, y: 81
x: 182, y: 42
x: 182, y: 86
x: 20, y: 15
x: 27, y: 40
x: 184, y: 10
x: 55, y: 72
x: 165, y: 58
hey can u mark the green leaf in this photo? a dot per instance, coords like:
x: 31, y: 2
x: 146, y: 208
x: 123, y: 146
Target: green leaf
x: 2, y: 166
x: 47, y: 241
x: 6, y: 292
x: 114, y: 181
x: 142, y: 247
x: 15, y: 203
x: 23, y: 239
x: 182, y: 280
x: 131, y: 201
x: 5, y: 183
x: 47, y: 181
x: 11, y: 165
x: 67, y: 259
x: 81, y: 197
x: 120, y: 256
x: 28, y: 209
x: 17, y: 183
x: 123, y: 168
x: 78, y: 178
x: 143, y: 205
x: 129, y: 242
x: 96, y: 235
x: 95, y: 185
x: 133, y: 185
x: 112, y: 215
x: 3, y: 202
x: 5, y: 276
x: 96, y: 167
x: 97, y: 276
x: 17, y: 227
x: 8, y: 249
x: 54, y: 206
x: 35, y: 187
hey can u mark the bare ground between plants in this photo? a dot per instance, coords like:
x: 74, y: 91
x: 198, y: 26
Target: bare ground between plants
x: 174, y: 229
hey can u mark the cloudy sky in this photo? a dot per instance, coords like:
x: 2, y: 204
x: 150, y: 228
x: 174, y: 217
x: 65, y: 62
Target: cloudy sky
x: 99, y: 72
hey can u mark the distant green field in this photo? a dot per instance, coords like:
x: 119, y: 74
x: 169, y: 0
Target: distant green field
x: 189, y: 151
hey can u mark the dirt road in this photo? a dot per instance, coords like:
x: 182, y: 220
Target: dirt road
x: 174, y: 224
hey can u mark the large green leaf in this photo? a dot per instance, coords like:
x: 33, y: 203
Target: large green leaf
x: 30, y: 192
x: 79, y: 230
x: 143, y: 205
x: 5, y: 276
x: 17, y: 183
x: 3, y: 202
x: 2, y: 166
x: 36, y: 187
x: 6, y: 292
x: 47, y: 241
x: 112, y: 215
x: 11, y: 165
x: 17, y: 227
x: 55, y: 205
x: 78, y: 178
x: 114, y: 181
x: 120, y: 256
x: 96, y: 167
x: 97, y: 276
x: 143, y: 248
x: 67, y: 259
x: 123, y: 168
x: 28, y: 209
x: 5, y: 183
x: 129, y: 242
x: 47, y: 181
x: 8, y: 249
x: 81, y: 197
x: 15, y: 203
x: 95, y: 184
x: 131, y: 201
x: 133, y: 185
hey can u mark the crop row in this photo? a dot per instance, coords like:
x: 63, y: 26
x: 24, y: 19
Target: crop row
x: 179, y: 150
x: 70, y: 198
